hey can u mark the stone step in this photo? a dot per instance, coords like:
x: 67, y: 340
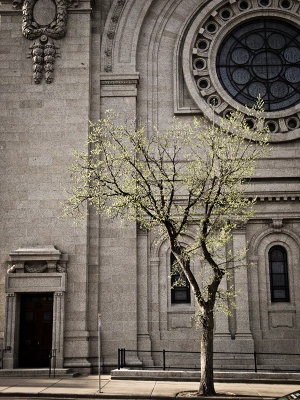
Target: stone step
x: 36, y: 372
x: 220, y: 376
x: 279, y: 367
x: 276, y: 362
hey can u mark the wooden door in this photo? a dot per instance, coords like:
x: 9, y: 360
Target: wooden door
x: 36, y: 320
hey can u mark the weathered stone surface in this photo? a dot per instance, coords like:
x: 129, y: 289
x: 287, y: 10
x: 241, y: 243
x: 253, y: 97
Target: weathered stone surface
x: 128, y: 56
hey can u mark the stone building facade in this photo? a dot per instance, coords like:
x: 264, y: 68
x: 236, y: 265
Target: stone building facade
x: 63, y: 63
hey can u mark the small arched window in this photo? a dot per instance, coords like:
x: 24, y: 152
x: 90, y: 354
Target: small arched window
x: 279, y: 279
x: 180, y: 287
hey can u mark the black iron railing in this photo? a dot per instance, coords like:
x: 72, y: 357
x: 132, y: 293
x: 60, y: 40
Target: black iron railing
x: 253, y: 355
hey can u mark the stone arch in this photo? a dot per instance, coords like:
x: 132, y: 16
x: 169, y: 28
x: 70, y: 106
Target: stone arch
x: 272, y: 320
x: 157, y: 43
x: 161, y: 285
x: 160, y: 246
x: 260, y: 235
x: 124, y: 20
x: 150, y: 20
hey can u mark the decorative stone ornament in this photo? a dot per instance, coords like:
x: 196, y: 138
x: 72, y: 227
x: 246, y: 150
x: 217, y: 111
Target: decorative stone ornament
x: 44, y: 20
x: 45, y: 259
x: 43, y: 53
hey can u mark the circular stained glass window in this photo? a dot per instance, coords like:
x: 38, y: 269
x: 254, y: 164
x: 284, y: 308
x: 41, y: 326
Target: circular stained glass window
x: 261, y: 57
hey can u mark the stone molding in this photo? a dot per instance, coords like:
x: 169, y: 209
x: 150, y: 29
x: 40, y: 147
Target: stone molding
x: 37, y: 260
x: 31, y: 283
x: 116, y: 82
x: 119, y: 79
x: 123, y: 21
x: 275, y: 198
x: 261, y: 234
x: 119, y: 85
x: 111, y: 32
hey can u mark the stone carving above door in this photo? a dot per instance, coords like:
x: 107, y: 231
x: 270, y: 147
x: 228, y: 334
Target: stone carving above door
x: 45, y: 259
x: 43, y: 21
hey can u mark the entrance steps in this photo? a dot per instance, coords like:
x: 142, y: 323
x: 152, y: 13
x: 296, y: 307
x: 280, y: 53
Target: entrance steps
x: 37, y: 372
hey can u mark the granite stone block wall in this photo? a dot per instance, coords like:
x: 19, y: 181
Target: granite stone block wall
x: 135, y: 57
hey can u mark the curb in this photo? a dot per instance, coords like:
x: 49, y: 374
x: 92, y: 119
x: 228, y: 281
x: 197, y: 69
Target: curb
x: 130, y: 397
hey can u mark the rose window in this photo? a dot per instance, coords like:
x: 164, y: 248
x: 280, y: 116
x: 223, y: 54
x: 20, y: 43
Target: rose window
x: 261, y: 57
x: 237, y: 50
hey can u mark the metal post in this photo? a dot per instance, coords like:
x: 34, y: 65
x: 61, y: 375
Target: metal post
x: 50, y: 359
x: 119, y: 358
x: 54, y: 361
x: 255, y: 361
x: 99, y: 350
x: 164, y: 359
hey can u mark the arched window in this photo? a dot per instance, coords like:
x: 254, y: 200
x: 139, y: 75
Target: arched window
x: 180, y: 287
x: 279, y: 280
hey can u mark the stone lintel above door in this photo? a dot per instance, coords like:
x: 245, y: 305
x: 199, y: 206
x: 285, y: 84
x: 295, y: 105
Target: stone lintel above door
x: 40, y: 259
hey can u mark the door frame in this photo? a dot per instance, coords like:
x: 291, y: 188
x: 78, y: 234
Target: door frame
x: 28, y: 282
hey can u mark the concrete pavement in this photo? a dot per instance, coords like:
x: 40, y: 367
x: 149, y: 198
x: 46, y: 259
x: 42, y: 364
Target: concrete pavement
x: 87, y: 387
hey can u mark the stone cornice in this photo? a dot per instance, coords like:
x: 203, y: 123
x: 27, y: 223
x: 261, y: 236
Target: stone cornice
x: 119, y: 79
x: 275, y: 197
x: 119, y: 85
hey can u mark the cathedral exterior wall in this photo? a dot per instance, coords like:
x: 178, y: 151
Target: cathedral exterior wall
x: 130, y: 56
x: 40, y: 126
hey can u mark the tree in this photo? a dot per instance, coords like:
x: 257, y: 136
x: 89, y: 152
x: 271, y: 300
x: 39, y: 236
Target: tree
x: 193, y: 174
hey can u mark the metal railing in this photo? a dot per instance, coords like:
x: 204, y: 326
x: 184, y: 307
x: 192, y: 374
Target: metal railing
x: 253, y: 355
x: 52, y: 361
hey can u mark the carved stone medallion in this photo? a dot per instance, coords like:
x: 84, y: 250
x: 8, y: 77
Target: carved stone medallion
x: 44, y: 20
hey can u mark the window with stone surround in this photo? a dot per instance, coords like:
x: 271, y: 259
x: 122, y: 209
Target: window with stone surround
x: 180, y: 287
x: 279, y: 281
x: 235, y: 51
x: 261, y: 58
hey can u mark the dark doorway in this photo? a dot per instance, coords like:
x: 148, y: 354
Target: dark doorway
x: 36, y: 316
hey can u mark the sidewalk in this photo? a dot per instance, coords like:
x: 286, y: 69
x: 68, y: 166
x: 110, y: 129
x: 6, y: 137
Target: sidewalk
x: 87, y: 387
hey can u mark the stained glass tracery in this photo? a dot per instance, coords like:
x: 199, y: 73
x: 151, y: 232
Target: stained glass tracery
x: 261, y: 57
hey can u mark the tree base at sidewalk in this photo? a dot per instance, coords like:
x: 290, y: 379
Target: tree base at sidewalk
x: 196, y: 395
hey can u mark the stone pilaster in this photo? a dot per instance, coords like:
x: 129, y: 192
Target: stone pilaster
x: 222, y: 330
x: 10, y: 342
x: 58, y: 327
x: 243, y: 332
x: 154, y: 296
x: 144, y: 342
x: 118, y: 243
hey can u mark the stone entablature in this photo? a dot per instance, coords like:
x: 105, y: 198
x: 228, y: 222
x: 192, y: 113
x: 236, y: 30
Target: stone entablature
x: 37, y: 260
x: 119, y: 85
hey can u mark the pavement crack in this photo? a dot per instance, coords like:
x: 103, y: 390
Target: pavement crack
x: 51, y: 385
x: 153, y: 389
x: 104, y: 384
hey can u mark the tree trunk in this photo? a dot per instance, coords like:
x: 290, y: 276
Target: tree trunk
x: 207, y: 354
